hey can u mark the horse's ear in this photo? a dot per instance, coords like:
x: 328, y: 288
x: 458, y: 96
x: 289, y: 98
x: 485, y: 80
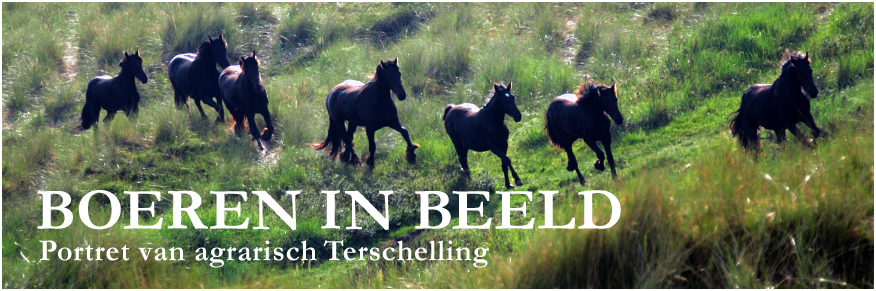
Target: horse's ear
x: 220, y: 36
x: 254, y: 54
x: 126, y: 54
x: 807, y: 56
x: 395, y: 61
x: 509, y: 86
x: 495, y: 87
x: 137, y: 53
x: 240, y: 62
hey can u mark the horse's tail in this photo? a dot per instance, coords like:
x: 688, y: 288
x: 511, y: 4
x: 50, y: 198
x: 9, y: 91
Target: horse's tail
x: 446, y: 109
x: 91, y: 109
x: 179, y: 99
x: 742, y: 128
x: 553, y: 137
x: 332, y: 141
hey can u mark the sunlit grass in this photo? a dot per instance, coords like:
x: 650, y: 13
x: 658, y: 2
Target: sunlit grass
x: 697, y: 210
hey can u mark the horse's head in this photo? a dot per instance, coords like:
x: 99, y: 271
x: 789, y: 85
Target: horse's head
x: 389, y: 73
x: 219, y: 51
x: 133, y: 64
x: 799, y: 66
x: 250, y: 66
x: 205, y: 50
x: 609, y: 102
x: 509, y: 103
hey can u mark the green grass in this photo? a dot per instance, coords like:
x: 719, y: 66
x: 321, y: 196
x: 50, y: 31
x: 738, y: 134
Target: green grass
x: 698, y: 212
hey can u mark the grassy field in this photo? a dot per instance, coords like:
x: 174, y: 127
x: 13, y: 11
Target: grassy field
x: 698, y: 212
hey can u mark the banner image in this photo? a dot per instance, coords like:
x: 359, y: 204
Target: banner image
x: 437, y: 145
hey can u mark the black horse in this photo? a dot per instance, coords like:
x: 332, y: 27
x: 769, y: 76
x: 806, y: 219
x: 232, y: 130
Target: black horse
x: 369, y: 105
x: 195, y: 75
x: 583, y: 115
x: 778, y: 106
x: 244, y: 94
x: 480, y: 130
x: 114, y: 93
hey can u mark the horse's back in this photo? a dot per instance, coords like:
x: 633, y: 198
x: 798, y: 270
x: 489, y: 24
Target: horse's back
x: 566, y: 122
x: 179, y: 63
x: 567, y: 98
x: 468, y: 107
x: 99, y: 84
x: 342, y: 93
x: 227, y: 80
x: 461, y: 124
x: 230, y: 74
x: 458, y: 112
x: 562, y: 105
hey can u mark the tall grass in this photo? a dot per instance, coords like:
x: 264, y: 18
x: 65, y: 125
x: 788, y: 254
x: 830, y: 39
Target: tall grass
x: 697, y: 211
x: 188, y: 25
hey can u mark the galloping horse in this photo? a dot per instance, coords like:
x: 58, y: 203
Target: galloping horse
x: 483, y: 129
x: 583, y: 115
x: 196, y: 75
x: 244, y: 94
x: 114, y: 93
x: 369, y: 105
x: 778, y: 106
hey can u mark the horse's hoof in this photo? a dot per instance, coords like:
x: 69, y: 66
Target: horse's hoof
x: 599, y: 166
x: 411, y: 156
x: 267, y: 134
x: 583, y: 183
x: 509, y: 186
x: 518, y: 183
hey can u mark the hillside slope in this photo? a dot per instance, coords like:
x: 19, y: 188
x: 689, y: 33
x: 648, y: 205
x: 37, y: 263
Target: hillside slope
x: 697, y: 210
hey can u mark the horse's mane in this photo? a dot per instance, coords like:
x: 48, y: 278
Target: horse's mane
x: 789, y: 56
x: 373, y: 76
x: 587, y: 91
x: 493, y: 92
x: 258, y: 64
x: 205, y: 49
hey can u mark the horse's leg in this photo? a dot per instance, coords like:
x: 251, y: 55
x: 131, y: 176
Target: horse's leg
x: 517, y: 180
x: 461, y: 153
x: 220, y: 109
x: 238, y: 121
x: 573, y: 162
x: 269, y: 124
x: 504, y: 147
x: 606, y: 143
x: 253, y: 128
x: 599, y: 155
x: 372, y: 146
x: 499, y: 151
x: 198, y: 103
x: 349, y: 155
x: 409, y: 153
x: 798, y: 134
x: 780, y: 134
x: 810, y: 122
